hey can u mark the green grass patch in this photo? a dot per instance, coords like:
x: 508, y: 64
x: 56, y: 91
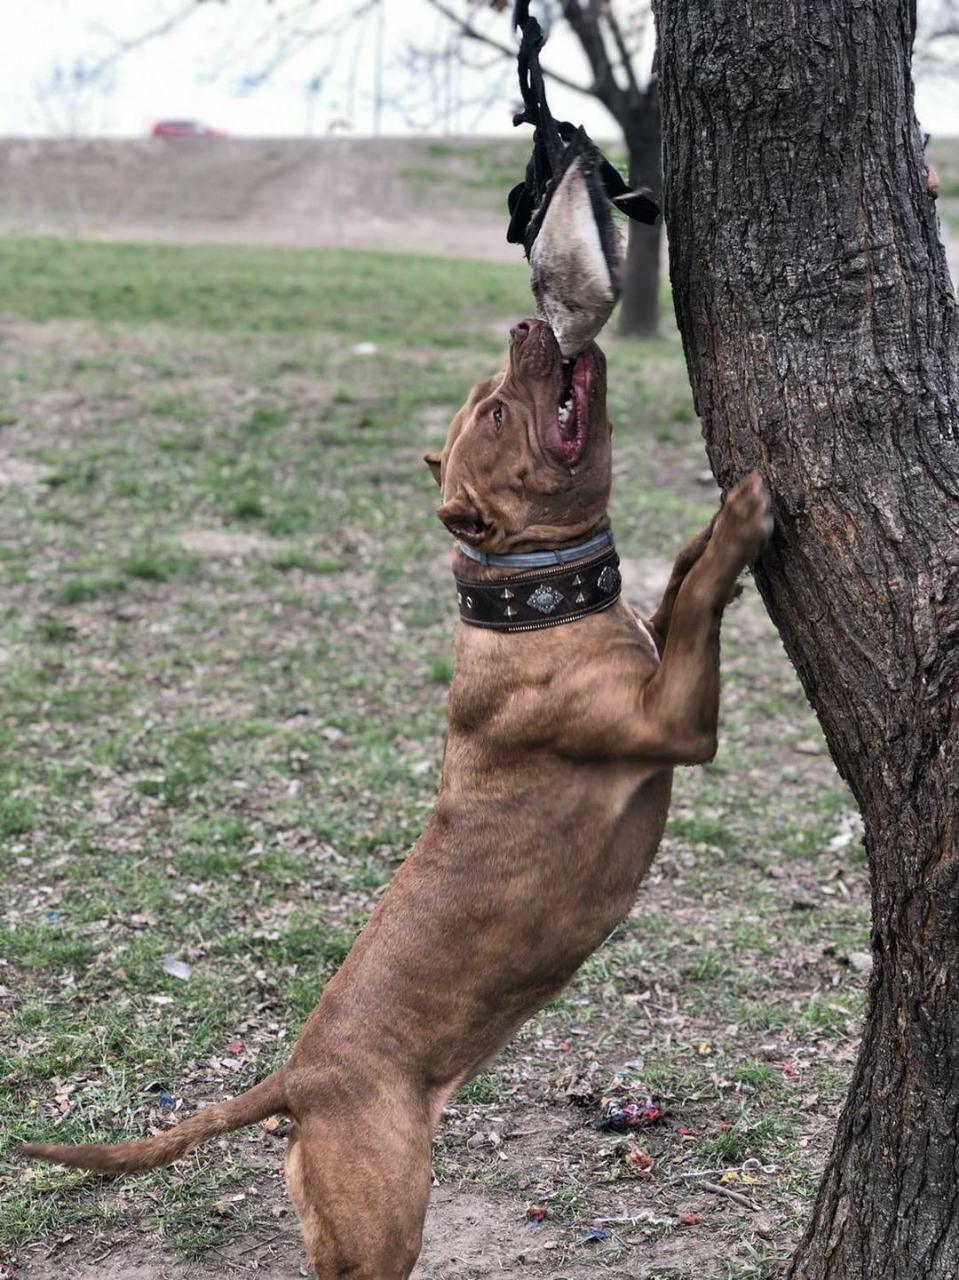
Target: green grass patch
x: 480, y: 1091
x: 359, y: 296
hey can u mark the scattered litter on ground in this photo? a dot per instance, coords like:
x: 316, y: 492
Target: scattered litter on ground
x: 176, y: 968
x: 619, y: 1117
x: 597, y: 1233
x: 641, y: 1162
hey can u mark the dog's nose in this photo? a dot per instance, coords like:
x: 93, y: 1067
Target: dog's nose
x: 520, y: 332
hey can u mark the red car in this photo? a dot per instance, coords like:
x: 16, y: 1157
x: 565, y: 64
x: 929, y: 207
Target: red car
x: 184, y: 129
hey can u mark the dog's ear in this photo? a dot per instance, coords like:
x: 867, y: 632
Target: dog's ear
x: 433, y: 461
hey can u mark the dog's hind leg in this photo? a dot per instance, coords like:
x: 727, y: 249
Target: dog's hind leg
x: 360, y: 1187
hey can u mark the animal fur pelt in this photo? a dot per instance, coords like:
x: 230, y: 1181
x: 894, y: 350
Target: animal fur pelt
x: 562, y: 212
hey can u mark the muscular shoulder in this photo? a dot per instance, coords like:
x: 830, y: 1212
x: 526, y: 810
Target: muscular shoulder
x: 528, y: 686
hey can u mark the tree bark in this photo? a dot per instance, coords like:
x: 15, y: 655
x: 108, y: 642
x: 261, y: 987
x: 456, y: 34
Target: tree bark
x: 822, y: 340
x: 639, y: 312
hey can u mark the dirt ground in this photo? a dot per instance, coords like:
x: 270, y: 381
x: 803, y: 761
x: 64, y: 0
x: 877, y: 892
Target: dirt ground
x: 467, y: 1236
x: 403, y: 195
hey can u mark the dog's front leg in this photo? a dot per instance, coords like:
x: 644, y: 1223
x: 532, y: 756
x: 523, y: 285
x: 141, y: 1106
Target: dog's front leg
x: 690, y: 554
x: 680, y: 703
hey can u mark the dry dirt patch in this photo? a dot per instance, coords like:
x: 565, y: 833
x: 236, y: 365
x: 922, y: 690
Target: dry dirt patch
x: 19, y: 473
x: 310, y: 193
x: 467, y: 1236
x: 644, y: 581
x: 229, y: 544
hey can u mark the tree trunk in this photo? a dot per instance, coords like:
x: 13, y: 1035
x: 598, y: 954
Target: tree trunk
x: 639, y: 313
x: 822, y: 340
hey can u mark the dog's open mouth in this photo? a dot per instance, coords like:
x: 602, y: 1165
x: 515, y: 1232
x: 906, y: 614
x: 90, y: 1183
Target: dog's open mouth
x: 468, y: 529
x: 572, y: 424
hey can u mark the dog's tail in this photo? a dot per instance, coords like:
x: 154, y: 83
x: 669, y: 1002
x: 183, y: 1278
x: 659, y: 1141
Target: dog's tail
x: 256, y: 1104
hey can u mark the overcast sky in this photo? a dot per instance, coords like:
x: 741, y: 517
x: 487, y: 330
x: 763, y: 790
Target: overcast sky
x: 211, y: 67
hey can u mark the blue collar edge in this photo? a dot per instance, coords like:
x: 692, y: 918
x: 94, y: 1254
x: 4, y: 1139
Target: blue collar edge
x: 539, y: 559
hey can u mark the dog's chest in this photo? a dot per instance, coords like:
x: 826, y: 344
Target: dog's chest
x: 614, y: 852
x: 583, y: 862
x: 580, y: 845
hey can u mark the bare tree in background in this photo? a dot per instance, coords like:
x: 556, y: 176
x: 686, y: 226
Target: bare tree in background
x: 69, y: 96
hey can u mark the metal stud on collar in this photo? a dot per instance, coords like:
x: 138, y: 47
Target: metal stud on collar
x: 609, y: 580
x: 545, y: 599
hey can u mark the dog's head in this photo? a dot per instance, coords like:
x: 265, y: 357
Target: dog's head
x: 527, y: 458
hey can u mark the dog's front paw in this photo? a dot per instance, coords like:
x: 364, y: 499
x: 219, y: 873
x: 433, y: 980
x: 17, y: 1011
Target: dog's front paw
x: 746, y: 520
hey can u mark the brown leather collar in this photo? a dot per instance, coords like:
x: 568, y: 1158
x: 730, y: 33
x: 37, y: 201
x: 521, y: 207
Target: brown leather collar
x: 541, y: 598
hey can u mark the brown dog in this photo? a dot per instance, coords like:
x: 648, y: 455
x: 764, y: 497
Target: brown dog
x: 556, y: 783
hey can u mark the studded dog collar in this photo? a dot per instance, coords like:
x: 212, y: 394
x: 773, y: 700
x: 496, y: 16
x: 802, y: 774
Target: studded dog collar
x: 536, y: 599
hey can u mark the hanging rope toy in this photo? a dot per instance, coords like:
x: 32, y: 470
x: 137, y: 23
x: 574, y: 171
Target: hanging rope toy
x: 562, y: 212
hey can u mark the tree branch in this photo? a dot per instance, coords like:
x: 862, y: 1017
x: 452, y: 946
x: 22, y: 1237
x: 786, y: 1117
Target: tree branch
x: 470, y: 32
x: 124, y: 45
x: 284, y: 39
x: 585, y: 23
x: 626, y: 60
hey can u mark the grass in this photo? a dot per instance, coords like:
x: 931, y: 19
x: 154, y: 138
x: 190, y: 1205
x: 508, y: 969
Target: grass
x: 364, y: 296
x: 222, y: 754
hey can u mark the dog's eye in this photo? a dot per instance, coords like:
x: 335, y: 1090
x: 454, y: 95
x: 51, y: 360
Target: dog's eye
x: 498, y: 414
